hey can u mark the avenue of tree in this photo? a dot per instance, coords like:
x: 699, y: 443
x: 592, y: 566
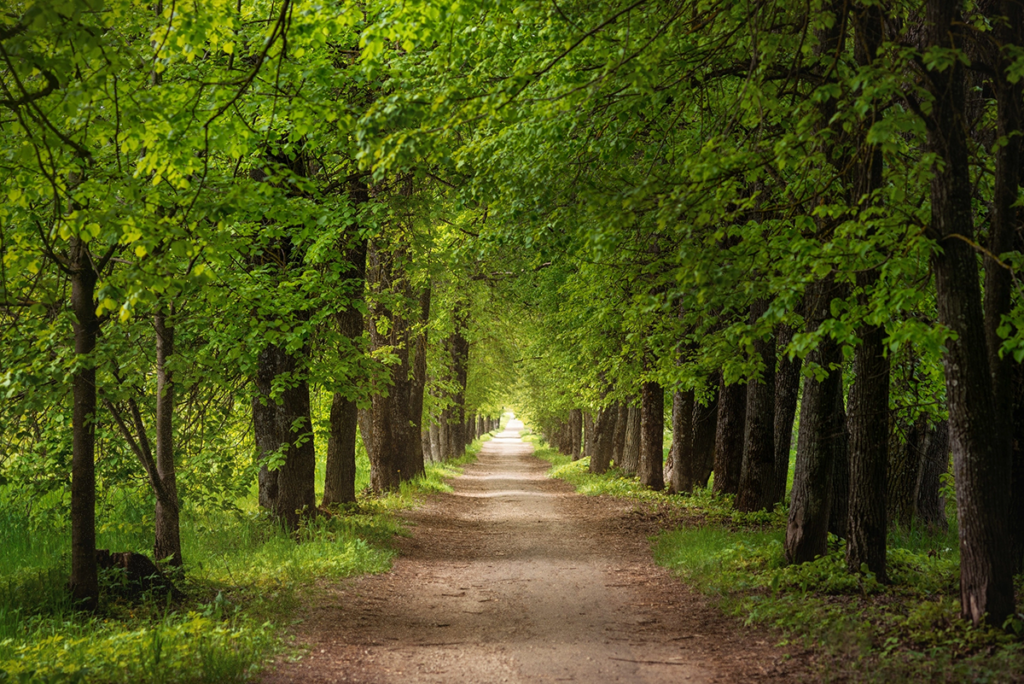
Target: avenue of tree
x: 236, y: 235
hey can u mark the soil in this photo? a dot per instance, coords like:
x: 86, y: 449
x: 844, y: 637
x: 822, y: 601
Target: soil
x: 515, y: 578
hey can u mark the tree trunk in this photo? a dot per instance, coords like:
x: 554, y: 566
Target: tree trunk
x: 588, y: 434
x: 787, y: 391
x: 981, y: 448
x: 1016, y: 537
x: 576, y: 429
x: 458, y: 346
x: 839, y: 514
x: 869, y: 407
x: 619, y: 438
x: 904, y: 471
x: 390, y: 462
x: 168, y: 532
x: 296, y: 478
x: 365, y: 421
x: 604, y: 439
x: 811, y: 500
x: 436, y: 450
x: 652, y: 429
x: 705, y: 422
x: 681, y: 453
x: 416, y: 454
x: 869, y: 397
x: 340, y: 467
x: 268, y: 422
x: 631, y: 449
x: 929, y: 504
x: 757, y: 475
x: 732, y: 411
x: 1005, y: 235
x: 84, y: 581
x: 340, y: 475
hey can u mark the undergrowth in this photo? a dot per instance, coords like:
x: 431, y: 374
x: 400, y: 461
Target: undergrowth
x: 244, y: 575
x: 907, y: 630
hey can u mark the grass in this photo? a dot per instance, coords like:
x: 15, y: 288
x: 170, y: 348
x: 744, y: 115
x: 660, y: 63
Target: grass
x: 244, y: 576
x: 907, y: 630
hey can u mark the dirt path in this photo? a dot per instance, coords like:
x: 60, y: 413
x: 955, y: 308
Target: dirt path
x: 514, y: 578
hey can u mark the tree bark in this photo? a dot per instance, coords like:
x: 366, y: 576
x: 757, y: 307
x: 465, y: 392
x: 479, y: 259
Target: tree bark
x: 732, y: 411
x: 458, y: 347
x: 869, y: 407
x: 296, y: 478
x: 268, y: 422
x: 787, y: 391
x: 166, y: 520
x: 84, y: 583
x: 652, y: 428
x: 811, y: 500
x: 588, y: 434
x: 929, y: 504
x: 415, y: 464
x: 576, y: 429
x: 340, y: 467
x: 681, y: 453
x: 981, y: 449
x: 869, y: 397
x: 758, y: 470
x: 840, y: 512
x: 365, y: 422
x: 631, y: 450
x: 390, y: 461
x: 705, y: 422
x: 604, y: 439
x: 619, y: 438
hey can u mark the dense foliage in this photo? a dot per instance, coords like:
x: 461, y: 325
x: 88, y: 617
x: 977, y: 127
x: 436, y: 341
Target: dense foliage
x: 233, y: 232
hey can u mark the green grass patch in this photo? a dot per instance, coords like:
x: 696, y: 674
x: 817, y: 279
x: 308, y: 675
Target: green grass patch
x: 244, y: 576
x: 907, y: 630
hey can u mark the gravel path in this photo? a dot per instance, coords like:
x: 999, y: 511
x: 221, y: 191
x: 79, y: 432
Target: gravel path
x: 514, y: 578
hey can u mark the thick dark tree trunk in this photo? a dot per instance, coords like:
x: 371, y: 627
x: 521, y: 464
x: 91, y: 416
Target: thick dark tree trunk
x: 1004, y: 235
x: 1016, y: 539
x: 839, y: 515
x: 869, y: 408
x: 652, y: 429
x: 436, y: 451
x: 576, y: 430
x: 681, y: 455
x: 416, y: 456
x: 787, y: 391
x: 930, y: 505
x: 981, y: 448
x: 604, y: 439
x: 84, y: 581
x: 268, y: 422
x: 340, y: 466
x: 811, y: 500
x: 758, y: 471
x: 619, y: 437
x: 166, y: 519
x: 705, y: 422
x: 903, y: 473
x: 365, y: 420
x: 588, y: 434
x: 732, y: 411
x: 296, y: 478
x: 869, y: 397
x: 631, y: 450
x: 458, y: 347
x: 394, y: 435
x: 340, y: 475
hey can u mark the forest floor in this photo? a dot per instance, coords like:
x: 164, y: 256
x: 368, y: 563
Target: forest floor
x: 513, y: 577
